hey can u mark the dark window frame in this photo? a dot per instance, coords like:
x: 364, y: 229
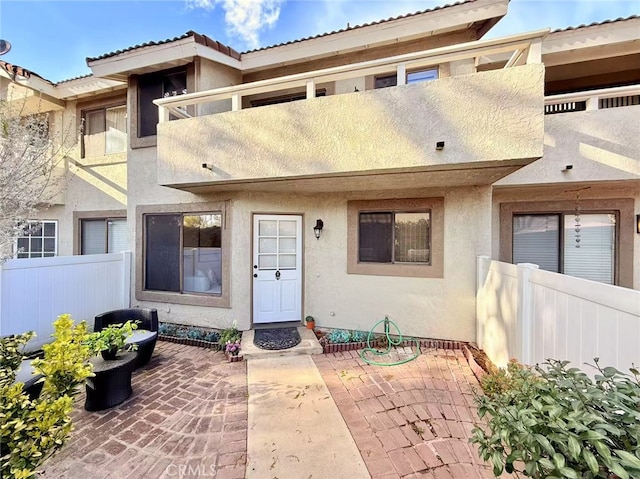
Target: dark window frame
x: 149, y: 110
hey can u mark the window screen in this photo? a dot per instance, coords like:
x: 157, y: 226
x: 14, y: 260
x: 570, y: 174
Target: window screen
x: 536, y: 239
x: 162, y: 252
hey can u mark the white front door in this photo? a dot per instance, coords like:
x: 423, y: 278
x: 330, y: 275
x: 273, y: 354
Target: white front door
x: 277, y: 268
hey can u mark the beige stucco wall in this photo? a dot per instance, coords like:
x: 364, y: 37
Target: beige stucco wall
x: 442, y: 307
x: 600, y: 144
x: 210, y: 75
x: 481, y: 117
x: 603, y: 146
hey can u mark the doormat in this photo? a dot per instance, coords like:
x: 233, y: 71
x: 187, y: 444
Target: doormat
x: 279, y: 338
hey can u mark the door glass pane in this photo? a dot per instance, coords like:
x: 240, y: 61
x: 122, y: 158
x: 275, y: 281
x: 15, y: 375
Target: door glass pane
x: 267, y: 261
x: 287, y: 228
x: 267, y: 228
x: 202, y: 253
x: 375, y: 236
x: 287, y: 245
x: 162, y: 252
x: 411, y: 238
x: 536, y: 239
x: 287, y: 261
x: 589, y: 248
x: 268, y: 245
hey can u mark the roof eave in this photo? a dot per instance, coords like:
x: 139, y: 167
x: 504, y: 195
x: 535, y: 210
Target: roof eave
x: 156, y: 57
x: 444, y: 20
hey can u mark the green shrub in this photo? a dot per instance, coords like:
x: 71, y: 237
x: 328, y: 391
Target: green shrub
x: 31, y: 431
x: 230, y: 335
x: 554, y: 422
x: 338, y: 336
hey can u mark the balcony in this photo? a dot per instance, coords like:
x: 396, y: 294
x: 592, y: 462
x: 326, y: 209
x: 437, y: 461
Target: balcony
x: 490, y: 122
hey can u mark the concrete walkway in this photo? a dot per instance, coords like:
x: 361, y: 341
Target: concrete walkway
x: 193, y: 415
x: 295, y: 428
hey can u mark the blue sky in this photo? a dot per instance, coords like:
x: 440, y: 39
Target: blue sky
x: 53, y: 38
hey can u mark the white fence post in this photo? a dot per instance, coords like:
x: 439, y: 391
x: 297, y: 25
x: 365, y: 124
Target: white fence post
x: 482, y: 270
x: 524, y: 314
x: 126, y: 279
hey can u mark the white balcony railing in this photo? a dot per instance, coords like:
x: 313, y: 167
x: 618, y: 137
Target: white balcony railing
x: 524, y: 49
x: 592, y: 100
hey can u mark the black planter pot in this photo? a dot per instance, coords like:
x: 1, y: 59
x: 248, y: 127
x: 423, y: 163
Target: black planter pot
x: 109, y: 354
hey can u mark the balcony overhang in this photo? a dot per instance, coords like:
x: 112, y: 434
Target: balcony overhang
x: 441, y: 176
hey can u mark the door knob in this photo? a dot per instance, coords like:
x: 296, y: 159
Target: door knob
x: 277, y: 274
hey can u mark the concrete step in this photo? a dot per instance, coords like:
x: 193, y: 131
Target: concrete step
x: 308, y: 345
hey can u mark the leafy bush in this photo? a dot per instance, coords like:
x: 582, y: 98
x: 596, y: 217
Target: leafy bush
x: 555, y: 422
x: 195, y: 333
x: 112, y: 337
x: 339, y: 336
x: 230, y: 335
x: 167, y: 329
x: 358, y: 336
x: 33, y: 430
x: 212, y: 336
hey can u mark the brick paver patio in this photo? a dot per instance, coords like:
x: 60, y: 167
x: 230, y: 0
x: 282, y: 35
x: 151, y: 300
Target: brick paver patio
x: 188, y: 418
x: 410, y: 420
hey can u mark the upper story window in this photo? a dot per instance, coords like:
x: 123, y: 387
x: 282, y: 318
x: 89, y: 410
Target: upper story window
x: 412, y: 77
x: 274, y: 100
x: 153, y: 86
x: 104, y: 131
x: 38, y: 240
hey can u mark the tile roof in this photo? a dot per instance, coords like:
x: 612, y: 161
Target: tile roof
x: 199, y: 38
x: 355, y: 27
x: 17, y: 70
x: 74, y: 78
x: 595, y: 24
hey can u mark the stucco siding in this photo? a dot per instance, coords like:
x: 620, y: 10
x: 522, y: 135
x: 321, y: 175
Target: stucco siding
x: 601, y: 145
x: 481, y: 117
x: 440, y: 307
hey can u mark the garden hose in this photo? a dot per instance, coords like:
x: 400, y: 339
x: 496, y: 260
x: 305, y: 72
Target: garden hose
x: 390, y: 343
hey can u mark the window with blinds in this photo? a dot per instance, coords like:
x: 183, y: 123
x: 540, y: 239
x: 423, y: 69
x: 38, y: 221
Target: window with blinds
x: 558, y: 243
x: 99, y: 236
x: 104, y: 131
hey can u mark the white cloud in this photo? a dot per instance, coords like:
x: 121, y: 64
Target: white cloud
x: 245, y: 18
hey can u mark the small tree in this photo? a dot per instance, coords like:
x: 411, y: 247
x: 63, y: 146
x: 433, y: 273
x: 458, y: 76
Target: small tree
x: 30, y: 177
x: 33, y: 430
x: 554, y: 422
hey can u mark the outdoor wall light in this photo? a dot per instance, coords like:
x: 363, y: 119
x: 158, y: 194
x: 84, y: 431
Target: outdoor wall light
x: 638, y: 224
x: 207, y: 166
x: 567, y: 168
x: 440, y: 145
x: 317, y: 229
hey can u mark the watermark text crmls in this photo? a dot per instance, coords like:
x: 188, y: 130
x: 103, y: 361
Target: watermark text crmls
x: 190, y: 470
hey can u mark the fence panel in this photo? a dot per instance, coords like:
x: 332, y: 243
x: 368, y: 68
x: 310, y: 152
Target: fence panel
x: 33, y: 292
x: 533, y: 315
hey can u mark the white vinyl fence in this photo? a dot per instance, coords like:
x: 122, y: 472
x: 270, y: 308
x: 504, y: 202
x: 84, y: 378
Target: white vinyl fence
x: 33, y: 292
x: 532, y: 315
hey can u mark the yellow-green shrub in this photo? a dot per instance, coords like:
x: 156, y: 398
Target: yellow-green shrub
x: 32, y: 430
